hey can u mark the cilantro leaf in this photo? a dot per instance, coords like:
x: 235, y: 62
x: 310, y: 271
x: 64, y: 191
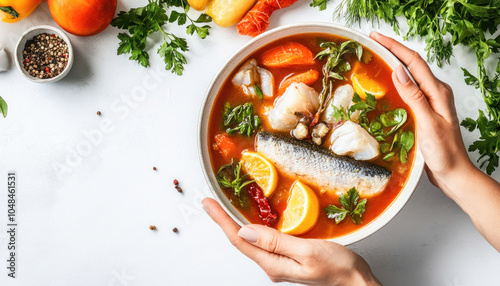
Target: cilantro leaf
x: 350, y: 205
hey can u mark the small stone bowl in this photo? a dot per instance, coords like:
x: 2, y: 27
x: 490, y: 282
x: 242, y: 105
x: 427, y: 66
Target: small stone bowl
x: 30, y: 34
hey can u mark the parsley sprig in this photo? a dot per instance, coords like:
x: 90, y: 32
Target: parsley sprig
x: 445, y: 24
x: 351, y: 205
x: 142, y: 22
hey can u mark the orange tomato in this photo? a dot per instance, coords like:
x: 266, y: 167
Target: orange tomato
x: 83, y: 17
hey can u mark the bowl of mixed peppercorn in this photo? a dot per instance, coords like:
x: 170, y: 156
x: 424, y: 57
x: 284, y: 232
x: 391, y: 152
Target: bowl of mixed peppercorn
x: 44, y: 54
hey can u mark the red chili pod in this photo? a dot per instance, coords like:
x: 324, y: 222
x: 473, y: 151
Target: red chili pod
x: 268, y: 215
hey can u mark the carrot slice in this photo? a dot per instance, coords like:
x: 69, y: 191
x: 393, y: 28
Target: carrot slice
x: 287, y: 54
x: 225, y: 145
x: 309, y: 77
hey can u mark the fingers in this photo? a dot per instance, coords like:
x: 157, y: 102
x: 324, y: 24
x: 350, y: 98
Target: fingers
x: 273, y: 241
x: 273, y: 264
x: 412, y: 94
x: 437, y: 93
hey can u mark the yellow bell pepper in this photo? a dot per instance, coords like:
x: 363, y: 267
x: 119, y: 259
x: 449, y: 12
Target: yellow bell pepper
x: 12, y: 11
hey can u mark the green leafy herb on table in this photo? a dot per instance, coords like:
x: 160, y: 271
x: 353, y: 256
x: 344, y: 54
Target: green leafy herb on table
x: 350, y: 205
x: 444, y: 24
x: 241, y: 119
x: 142, y: 22
x: 3, y: 107
x: 229, y: 176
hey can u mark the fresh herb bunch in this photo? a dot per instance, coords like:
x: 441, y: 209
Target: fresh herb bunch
x: 444, y: 24
x: 144, y: 21
x: 334, y: 68
x: 242, y: 118
x: 229, y: 176
x: 350, y: 205
x: 3, y: 107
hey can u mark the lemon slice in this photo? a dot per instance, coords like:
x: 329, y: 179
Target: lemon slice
x: 302, y: 210
x: 261, y: 170
x: 362, y: 85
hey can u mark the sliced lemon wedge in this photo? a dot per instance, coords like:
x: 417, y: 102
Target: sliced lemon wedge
x: 302, y: 210
x: 261, y: 170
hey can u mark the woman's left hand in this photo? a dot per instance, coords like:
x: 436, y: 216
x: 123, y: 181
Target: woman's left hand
x: 287, y: 258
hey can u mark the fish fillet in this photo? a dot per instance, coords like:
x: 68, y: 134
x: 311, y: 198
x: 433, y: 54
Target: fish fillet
x: 320, y: 167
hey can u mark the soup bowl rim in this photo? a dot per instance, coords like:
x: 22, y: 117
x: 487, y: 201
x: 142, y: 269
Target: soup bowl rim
x: 235, y: 60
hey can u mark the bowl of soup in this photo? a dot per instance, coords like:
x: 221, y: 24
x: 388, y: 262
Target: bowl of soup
x: 303, y: 130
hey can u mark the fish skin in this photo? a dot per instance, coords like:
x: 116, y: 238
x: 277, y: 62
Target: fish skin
x: 321, y: 167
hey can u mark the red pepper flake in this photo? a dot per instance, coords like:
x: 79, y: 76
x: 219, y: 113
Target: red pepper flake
x: 176, y: 182
x: 53, y: 35
x: 47, y: 69
x: 267, y: 214
x: 175, y: 230
x: 152, y: 227
x: 99, y: 113
x: 49, y: 58
x: 154, y: 168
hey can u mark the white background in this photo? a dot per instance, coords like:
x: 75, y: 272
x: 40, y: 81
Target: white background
x: 83, y: 219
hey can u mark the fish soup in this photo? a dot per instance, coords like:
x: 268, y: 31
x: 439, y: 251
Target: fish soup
x: 311, y: 155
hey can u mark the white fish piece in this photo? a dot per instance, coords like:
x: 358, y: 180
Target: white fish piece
x: 250, y: 74
x: 353, y: 140
x: 266, y: 82
x: 342, y: 98
x: 297, y: 99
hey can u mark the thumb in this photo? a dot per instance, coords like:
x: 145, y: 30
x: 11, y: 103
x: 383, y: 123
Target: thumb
x: 273, y: 241
x: 411, y: 94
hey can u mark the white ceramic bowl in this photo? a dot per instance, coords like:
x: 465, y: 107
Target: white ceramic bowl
x: 243, y: 53
x: 31, y: 33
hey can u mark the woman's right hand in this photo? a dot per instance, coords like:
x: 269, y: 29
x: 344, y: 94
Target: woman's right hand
x: 447, y: 163
x: 432, y: 103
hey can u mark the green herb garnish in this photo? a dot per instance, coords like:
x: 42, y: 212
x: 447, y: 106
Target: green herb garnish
x: 350, y: 205
x: 394, y: 118
x: 258, y: 91
x: 145, y: 21
x: 229, y: 176
x: 243, y: 119
x: 3, y: 107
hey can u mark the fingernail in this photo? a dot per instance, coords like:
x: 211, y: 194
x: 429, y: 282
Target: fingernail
x: 205, y: 207
x: 402, y: 75
x: 374, y: 34
x: 248, y: 234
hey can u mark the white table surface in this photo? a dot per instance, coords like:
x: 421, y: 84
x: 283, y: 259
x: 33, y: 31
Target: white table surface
x: 84, y: 217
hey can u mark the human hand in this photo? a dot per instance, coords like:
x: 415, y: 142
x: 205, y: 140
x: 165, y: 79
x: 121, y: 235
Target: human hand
x: 287, y: 258
x: 433, y: 104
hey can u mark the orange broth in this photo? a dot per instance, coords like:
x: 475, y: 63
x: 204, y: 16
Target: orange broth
x: 378, y: 70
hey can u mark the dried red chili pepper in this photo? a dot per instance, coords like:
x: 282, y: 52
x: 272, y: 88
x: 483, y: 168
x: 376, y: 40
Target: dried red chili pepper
x: 267, y: 214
